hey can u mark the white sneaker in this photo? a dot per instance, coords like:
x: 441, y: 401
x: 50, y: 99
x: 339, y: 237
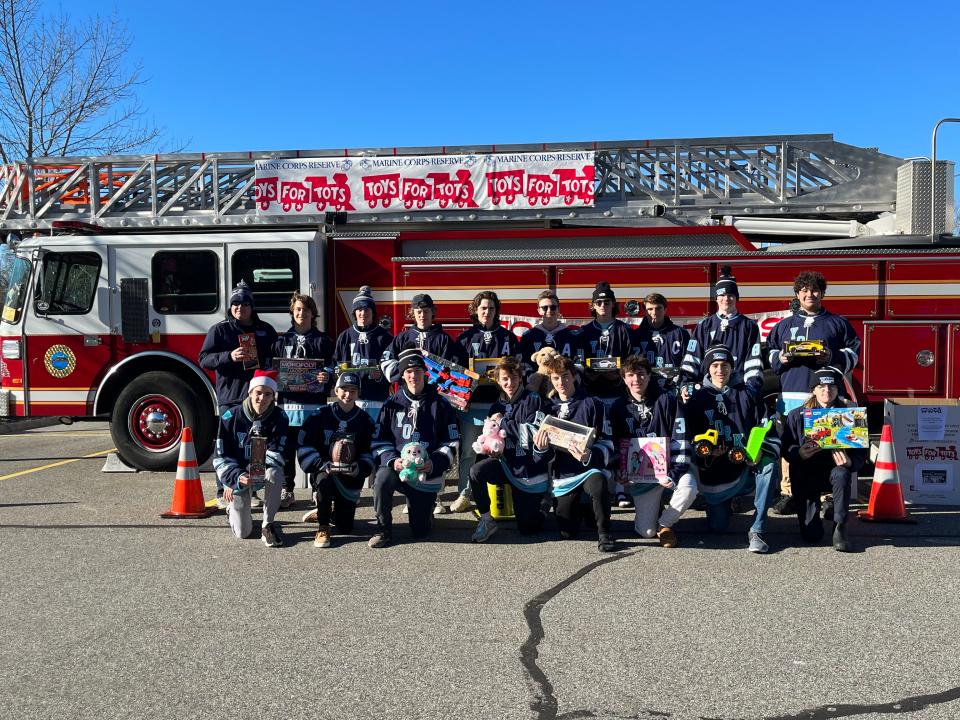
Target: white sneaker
x: 309, y: 517
x: 485, y: 529
x: 440, y: 509
x: 461, y: 504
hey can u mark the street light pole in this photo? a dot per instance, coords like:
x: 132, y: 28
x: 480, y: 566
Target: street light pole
x: 933, y: 177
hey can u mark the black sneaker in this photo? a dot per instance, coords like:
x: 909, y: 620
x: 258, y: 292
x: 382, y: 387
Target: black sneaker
x: 381, y: 540
x: 606, y: 544
x: 624, y: 501
x: 785, y: 505
x: 271, y: 535
x: 840, y: 541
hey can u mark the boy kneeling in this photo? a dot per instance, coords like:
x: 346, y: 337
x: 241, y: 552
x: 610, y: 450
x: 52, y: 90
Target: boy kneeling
x: 578, y: 470
x: 515, y: 465
x: 337, y: 483
x: 417, y: 417
x: 245, y: 430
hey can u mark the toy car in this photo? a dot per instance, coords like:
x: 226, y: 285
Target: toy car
x: 803, y: 348
x: 705, y: 442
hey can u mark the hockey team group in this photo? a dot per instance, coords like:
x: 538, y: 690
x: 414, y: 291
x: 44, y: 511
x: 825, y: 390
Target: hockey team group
x: 388, y: 421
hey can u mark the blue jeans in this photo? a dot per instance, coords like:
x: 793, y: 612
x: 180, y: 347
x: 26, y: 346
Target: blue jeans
x: 760, y: 480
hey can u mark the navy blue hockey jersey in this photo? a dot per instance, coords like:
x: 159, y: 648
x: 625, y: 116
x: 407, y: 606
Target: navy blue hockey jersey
x: 594, y: 341
x: 427, y: 419
x: 365, y: 348
x: 232, y: 451
x: 478, y: 342
x: 221, y: 340
x: 590, y: 412
x: 519, y: 417
x: 433, y: 340
x: 837, y: 335
x: 740, y: 334
x: 733, y: 412
x: 321, y: 429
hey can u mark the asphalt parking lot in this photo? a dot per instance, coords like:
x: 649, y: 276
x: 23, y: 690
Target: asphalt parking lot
x: 110, y: 612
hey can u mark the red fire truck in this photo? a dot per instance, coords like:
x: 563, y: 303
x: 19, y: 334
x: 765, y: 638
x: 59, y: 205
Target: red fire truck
x: 106, y: 318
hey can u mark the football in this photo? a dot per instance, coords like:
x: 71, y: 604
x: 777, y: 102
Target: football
x: 343, y: 452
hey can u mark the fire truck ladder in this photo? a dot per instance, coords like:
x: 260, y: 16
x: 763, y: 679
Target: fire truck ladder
x: 680, y: 182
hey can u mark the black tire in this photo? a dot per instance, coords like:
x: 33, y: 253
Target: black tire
x: 169, y: 404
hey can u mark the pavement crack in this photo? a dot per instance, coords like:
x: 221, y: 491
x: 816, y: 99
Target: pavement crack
x: 906, y: 705
x: 544, y: 703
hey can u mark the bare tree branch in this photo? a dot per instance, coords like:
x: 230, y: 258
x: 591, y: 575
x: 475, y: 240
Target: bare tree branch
x: 66, y: 87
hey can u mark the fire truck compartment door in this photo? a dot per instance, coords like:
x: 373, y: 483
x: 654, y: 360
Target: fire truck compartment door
x: 903, y: 358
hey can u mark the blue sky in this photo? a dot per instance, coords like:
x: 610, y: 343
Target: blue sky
x: 281, y: 75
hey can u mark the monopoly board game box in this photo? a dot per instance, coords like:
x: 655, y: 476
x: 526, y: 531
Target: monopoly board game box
x: 926, y: 438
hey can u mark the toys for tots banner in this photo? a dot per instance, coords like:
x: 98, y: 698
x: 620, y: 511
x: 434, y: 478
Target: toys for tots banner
x: 431, y: 182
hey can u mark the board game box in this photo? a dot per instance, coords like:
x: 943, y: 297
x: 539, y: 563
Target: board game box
x: 837, y: 428
x: 644, y: 460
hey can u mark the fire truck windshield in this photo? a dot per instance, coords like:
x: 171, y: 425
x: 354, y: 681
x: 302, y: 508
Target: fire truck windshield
x: 14, y: 276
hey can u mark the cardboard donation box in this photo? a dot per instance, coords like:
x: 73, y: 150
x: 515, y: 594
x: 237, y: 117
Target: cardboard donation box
x: 926, y: 438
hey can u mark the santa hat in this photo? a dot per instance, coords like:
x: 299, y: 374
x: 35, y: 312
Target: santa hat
x: 267, y: 378
x: 364, y: 299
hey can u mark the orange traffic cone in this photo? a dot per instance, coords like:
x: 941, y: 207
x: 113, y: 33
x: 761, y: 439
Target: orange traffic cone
x: 886, y: 497
x: 187, y: 492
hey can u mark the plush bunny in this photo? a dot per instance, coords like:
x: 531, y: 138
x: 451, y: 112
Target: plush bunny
x: 413, y: 458
x: 491, y: 437
x: 539, y: 382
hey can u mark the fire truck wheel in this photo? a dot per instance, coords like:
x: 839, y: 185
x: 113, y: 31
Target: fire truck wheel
x: 149, y: 416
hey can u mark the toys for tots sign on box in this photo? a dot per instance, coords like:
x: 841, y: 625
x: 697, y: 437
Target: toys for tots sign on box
x: 362, y: 184
x: 926, y: 438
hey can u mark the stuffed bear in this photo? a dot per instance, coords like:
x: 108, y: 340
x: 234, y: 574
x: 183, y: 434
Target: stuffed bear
x: 491, y: 437
x: 539, y: 382
x: 413, y: 459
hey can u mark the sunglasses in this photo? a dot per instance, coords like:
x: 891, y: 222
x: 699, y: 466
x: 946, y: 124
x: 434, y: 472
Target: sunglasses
x: 603, y: 302
x: 544, y: 308
x: 241, y: 304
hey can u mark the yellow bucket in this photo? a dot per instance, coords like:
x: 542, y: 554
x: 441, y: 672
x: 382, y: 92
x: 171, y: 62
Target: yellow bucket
x: 501, y: 501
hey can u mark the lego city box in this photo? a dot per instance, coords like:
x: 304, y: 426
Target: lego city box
x: 926, y: 438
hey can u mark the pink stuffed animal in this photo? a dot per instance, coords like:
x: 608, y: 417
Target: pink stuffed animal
x: 491, y: 438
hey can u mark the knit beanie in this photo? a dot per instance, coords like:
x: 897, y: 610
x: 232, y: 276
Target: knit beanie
x: 364, y: 299
x: 603, y: 291
x: 726, y: 283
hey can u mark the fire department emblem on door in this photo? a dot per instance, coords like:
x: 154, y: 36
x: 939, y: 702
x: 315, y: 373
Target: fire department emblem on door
x: 59, y: 361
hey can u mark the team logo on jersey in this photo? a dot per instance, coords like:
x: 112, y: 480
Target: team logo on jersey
x: 59, y: 361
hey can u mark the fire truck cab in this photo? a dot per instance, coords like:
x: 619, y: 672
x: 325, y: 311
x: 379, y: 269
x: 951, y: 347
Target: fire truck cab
x: 111, y: 326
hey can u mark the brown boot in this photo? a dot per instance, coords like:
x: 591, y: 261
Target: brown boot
x: 323, y: 537
x: 667, y: 537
